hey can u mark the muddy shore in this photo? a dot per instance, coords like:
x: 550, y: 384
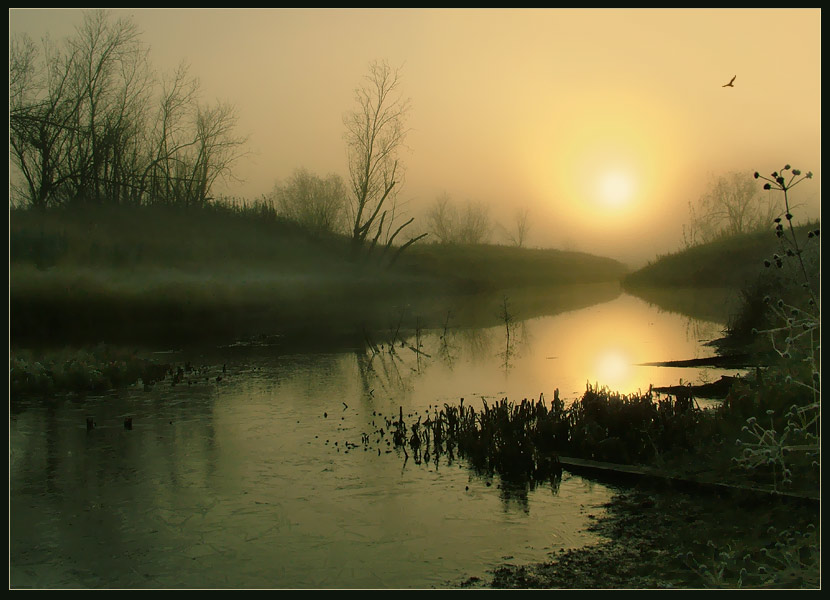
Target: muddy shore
x: 655, y: 537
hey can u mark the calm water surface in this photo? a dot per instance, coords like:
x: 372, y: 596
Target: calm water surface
x: 264, y: 479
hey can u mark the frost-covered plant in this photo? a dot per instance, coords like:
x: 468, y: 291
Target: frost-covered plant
x: 78, y: 371
x: 718, y: 567
x: 767, y: 447
x: 795, y: 339
x: 789, y: 557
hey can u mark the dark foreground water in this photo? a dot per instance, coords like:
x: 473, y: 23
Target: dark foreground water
x: 275, y: 476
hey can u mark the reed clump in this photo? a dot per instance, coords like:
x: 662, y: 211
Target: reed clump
x: 523, y: 440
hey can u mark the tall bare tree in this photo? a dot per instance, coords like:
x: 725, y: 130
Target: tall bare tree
x: 191, y: 144
x: 76, y: 111
x: 375, y: 134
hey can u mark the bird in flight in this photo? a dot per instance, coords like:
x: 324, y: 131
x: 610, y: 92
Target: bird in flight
x: 731, y: 81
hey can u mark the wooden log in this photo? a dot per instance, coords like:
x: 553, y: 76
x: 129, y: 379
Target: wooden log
x: 627, y: 473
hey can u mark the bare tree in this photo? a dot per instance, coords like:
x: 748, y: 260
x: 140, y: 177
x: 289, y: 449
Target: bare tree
x: 375, y: 133
x: 521, y: 227
x: 442, y: 219
x: 41, y: 119
x: 28, y: 138
x: 215, y: 151
x: 82, y: 129
x: 451, y: 225
x: 475, y: 226
x: 76, y: 111
x: 731, y: 205
x: 112, y: 83
x: 191, y: 145
x: 315, y: 202
x: 167, y: 137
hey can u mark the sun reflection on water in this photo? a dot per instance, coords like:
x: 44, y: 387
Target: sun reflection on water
x: 613, y: 368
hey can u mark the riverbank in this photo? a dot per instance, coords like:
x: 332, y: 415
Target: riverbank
x: 734, y: 279
x: 729, y: 262
x: 712, y: 505
x: 664, y: 538
x: 147, y: 274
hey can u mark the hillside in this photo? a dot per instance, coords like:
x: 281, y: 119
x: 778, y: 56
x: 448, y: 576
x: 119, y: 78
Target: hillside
x: 153, y: 273
x: 730, y: 262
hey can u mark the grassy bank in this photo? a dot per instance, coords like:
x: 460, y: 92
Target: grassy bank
x: 733, y: 279
x: 141, y: 274
x: 216, y: 238
x: 730, y: 262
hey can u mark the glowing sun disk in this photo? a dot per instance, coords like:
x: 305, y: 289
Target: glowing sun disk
x: 615, y: 189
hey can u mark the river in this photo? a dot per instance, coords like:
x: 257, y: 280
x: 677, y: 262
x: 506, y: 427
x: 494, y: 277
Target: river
x: 265, y: 470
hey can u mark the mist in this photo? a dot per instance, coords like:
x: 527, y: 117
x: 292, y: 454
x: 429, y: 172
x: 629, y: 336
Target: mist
x: 512, y: 108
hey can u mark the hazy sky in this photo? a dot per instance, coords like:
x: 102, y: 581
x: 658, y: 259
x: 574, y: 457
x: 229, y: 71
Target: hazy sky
x: 604, y: 123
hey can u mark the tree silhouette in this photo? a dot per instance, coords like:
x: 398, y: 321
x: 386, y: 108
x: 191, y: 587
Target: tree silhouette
x: 375, y: 134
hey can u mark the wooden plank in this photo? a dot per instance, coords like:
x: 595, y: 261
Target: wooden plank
x: 620, y: 472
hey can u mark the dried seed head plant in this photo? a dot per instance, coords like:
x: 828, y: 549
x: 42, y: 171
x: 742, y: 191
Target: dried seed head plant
x: 795, y: 339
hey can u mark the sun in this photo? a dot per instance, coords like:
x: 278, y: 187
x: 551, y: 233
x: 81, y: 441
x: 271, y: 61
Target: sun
x: 615, y: 189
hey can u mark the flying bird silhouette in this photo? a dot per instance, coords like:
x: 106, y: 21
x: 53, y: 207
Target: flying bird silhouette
x: 731, y: 81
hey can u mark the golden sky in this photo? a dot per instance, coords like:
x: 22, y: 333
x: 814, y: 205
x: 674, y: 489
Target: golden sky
x: 604, y: 123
